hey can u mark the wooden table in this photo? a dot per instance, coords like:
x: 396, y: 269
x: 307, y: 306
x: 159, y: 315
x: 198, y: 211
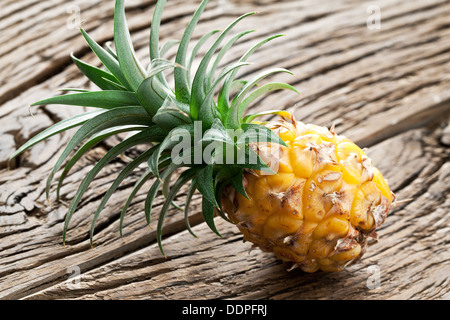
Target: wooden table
x: 388, y: 88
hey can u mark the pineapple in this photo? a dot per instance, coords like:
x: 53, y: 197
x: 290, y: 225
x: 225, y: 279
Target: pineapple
x: 300, y: 191
x: 320, y: 208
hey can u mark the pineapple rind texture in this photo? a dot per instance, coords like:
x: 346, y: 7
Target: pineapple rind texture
x: 321, y: 207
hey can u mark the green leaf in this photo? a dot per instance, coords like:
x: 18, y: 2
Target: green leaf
x: 154, y: 190
x: 167, y: 46
x: 237, y: 101
x: 109, y: 61
x: 154, y: 35
x: 189, y: 196
x: 235, y: 112
x: 107, y: 99
x: 222, y: 101
x: 224, y: 174
x: 198, y: 89
x: 263, y: 90
x: 224, y: 95
x: 148, y: 98
x: 237, y: 85
x: 110, y: 50
x: 73, y: 90
x: 59, y: 127
x: 115, y: 85
x: 154, y: 30
x: 219, y: 191
x: 208, y: 215
x: 95, y: 74
x: 170, y: 140
x: 207, y: 112
x: 238, y: 182
x: 162, y: 91
x: 251, y: 160
x: 185, y: 158
x: 197, y: 47
x: 171, y: 115
x: 88, y: 145
x: 166, y: 188
x: 205, y: 184
x: 140, y: 138
x: 258, y: 133
x: 105, y: 120
x: 129, y: 64
x: 152, y: 93
x: 138, y: 185
x: 281, y: 113
x: 182, y: 86
x: 218, y: 133
x: 117, y: 181
x: 222, y: 53
x: 182, y: 180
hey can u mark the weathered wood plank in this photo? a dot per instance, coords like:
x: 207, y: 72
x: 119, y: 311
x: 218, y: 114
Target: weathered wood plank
x: 377, y: 85
x: 224, y: 268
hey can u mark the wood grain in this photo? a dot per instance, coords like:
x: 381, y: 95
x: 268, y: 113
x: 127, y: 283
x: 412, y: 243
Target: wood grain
x: 387, y: 89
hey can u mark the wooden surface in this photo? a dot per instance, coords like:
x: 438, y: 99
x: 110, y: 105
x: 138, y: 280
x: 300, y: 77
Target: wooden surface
x: 388, y: 89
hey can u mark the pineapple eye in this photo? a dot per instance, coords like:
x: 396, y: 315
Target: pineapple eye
x: 280, y: 182
x: 349, y: 157
x: 279, y: 226
x: 303, y: 161
x: 287, y: 133
x: 316, y: 198
x: 382, y: 185
x: 308, y: 140
x: 366, y: 200
x: 331, y: 228
x: 347, y: 255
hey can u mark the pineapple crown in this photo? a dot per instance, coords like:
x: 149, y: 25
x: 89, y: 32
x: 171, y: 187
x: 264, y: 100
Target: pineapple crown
x: 139, y: 100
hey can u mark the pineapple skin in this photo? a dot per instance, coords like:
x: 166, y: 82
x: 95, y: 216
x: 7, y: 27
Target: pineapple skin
x: 320, y: 208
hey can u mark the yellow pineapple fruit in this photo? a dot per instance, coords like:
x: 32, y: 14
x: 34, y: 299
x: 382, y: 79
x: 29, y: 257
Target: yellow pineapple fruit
x: 321, y: 206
